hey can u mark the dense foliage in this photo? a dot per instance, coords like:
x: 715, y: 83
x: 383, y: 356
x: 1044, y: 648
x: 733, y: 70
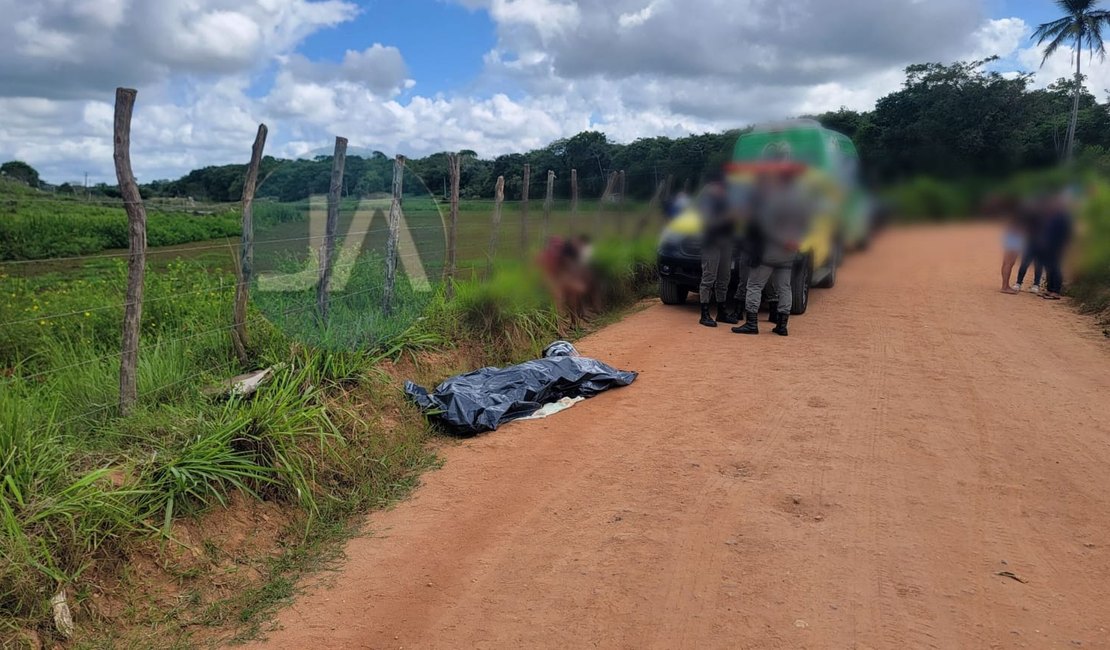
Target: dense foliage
x: 646, y: 162
x: 959, y: 120
x: 20, y: 171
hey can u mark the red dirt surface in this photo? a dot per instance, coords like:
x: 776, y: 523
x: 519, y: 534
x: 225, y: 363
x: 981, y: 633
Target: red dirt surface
x: 863, y: 483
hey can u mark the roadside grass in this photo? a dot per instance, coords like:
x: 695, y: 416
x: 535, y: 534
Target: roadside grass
x: 190, y: 520
x: 1092, y: 286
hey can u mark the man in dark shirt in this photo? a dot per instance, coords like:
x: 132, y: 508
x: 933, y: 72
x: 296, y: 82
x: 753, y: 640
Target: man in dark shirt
x: 1056, y: 237
x: 1030, y: 216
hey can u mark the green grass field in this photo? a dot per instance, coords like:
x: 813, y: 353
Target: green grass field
x: 37, y: 225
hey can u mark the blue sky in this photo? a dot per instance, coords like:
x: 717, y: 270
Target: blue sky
x: 1033, y: 11
x: 496, y: 76
x: 443, y: 43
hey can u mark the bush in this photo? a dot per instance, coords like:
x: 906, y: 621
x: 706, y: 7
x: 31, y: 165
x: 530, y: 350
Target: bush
x: 625, y: 269
x: 54, y: 514
x: 1092, y: 285
x: 928, y: 199
x: 512, y: 306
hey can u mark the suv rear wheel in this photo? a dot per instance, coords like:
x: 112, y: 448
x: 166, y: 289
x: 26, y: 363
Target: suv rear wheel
x: 799, y: 287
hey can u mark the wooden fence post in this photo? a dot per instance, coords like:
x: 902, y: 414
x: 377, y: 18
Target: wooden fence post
x: 524, y: 210
x: 246, y: 251
x: 609, y: 185
x: 498, y: 199
x: 136, y: 249
x: 573, y: 199
x: 655, y: 204
x: 548, y: 202
x: 327, y: 249
x: 620, y: 202
x: 454, y: 169
x: 394, y: 233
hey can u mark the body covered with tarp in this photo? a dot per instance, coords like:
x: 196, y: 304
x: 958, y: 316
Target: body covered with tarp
x: 485, y: 399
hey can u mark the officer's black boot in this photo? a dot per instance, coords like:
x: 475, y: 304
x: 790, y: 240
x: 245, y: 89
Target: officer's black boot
x: 780, y: 328
x: 706, y: 319
x: 773, y: 312
x: 725, y: 316
x: 750, y: 327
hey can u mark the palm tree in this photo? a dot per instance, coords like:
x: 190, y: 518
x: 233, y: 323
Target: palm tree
x: 1081, y: 27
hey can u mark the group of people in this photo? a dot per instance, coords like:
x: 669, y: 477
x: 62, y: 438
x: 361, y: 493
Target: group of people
x: 1038, y: 232
x: 772, y: 214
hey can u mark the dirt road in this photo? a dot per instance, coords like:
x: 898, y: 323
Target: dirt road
x: 861, y: 484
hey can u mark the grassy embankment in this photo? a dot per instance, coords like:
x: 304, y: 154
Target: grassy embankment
x: 188, y: 520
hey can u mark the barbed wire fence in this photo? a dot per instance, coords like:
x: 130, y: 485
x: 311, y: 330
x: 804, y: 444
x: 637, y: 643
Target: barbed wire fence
x: 481, y: 248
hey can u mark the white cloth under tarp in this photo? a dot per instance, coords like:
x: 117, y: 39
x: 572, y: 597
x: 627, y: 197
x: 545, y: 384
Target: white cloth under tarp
x: 547, y: 410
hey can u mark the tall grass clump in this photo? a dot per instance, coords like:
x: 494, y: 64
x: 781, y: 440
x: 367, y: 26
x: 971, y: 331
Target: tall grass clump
x: 55, y: 513
x: 356, y: 320
x: 625, y: 269
x: 511, y: 310
x: 1092, y: 285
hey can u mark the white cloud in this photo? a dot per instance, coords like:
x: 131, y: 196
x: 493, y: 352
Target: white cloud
x: 545, y: 18
x: 631, y: 68
x: 999, y: 38
x: 1061, y: 65
x: 378, y: 68
x: 637, y: 18
x: 77, y: 48
x: 35, y: 41
x: 858, y: 95
x: 725, y: 63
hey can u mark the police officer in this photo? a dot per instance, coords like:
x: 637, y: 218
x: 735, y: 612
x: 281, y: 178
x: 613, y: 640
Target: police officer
x: 716, y: 251
x: 782, y: 220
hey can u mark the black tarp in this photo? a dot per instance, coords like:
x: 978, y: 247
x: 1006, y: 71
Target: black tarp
x: 485, y: 399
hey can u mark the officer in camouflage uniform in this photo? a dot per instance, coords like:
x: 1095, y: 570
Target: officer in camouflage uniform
x: 716, y: 251
x: 782, y: 221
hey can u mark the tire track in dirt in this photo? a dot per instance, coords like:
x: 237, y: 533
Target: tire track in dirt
x: 855, y: 485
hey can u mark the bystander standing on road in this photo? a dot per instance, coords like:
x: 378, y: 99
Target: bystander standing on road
x: 1013, y: 244
x: 1057, y: 236
x: 1030, y: 214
